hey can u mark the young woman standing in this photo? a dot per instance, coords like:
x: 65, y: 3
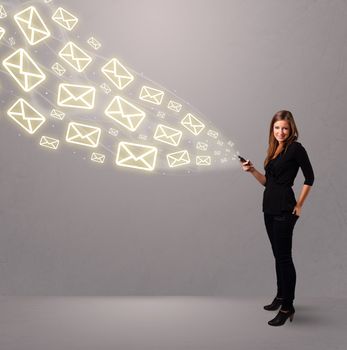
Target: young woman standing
x: 281, y: 210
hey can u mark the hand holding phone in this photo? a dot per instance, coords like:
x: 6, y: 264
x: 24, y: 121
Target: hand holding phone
x: 243, y: 160
x: 246, y: 164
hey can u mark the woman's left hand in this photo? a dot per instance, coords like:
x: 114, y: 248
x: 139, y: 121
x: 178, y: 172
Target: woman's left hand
x: 297, y: 210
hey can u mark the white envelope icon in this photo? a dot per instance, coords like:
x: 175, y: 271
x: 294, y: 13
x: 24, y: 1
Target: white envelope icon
x: 83, y: 134
x: 151, y: 95
x: 174, y: 106
x: 65, y: 19
x: 32, y: 25
x: 75, y: 57
x: 137, y: 156
x: 193, y: 124
x: 57, y: 114
x: 76, y: 96
x: 94, y: 43
x: 178, y: 159
x: 167, y: 135
x: 49, y: 142
x: 26, y: 116
x: 58, y: 69
x: 117, y: 74
x: 203, y: 160
x: 125, y: 113
x: 24, y: 70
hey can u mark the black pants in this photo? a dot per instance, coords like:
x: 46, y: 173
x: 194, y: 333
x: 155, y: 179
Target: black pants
x: 280, y: 231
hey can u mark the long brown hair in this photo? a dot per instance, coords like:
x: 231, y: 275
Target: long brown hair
x: 273, y: 143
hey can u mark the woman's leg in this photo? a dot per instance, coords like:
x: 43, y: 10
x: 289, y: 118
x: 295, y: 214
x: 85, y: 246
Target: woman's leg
x: 283, y: 226
x: 269, y: 223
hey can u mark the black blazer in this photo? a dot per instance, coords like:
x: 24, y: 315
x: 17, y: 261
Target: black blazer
x: 280, y: 173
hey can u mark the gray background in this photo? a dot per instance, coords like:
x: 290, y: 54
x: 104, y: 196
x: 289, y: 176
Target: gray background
x: 70, y: 229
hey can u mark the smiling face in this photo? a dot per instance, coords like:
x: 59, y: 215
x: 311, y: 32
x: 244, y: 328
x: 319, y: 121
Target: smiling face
x: 281, y: 130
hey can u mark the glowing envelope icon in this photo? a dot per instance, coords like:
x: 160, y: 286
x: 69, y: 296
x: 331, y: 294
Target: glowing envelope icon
x: 125, y: 113
x: 117, y: 74
x: 26, y: 116
x: 32, y: 26
x: 178, y: 159
x: 24, y: 70
x: 83, y: 134
x: 65, y: 19
x: 76, y: 96
x: 137, y: 156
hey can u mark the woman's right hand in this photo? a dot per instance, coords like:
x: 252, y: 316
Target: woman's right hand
x: 247, y: 166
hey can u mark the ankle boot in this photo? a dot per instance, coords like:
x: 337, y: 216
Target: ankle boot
x: 282, y: 317
x: 276, y: 303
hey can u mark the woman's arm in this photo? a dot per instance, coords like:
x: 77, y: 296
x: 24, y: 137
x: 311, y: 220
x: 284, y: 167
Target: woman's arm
x: 248, y: 167
x: 304, y: 193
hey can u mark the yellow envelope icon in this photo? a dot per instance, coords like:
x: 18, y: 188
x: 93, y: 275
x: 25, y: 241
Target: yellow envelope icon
x: 75, y: 57
x: 76, y: 96
x: 49, y: 142
x: 202, y: 146
x: 167, y: 135
x: 64, y: 18
x: 3, y: 13
x: 32, y: 25
x: 203, y: 160
x: 58, y: 69
x: 125, y: 113
x: 24, y: 70
x: 132, y: 155
x: 82, y: 134
x: 213, y: 134
x: 151, y: 95
x: 57, y: 114
x: 95, y: 44
x: 117, y: 74
x: 98, y: 158
x: 174, y: 106
x: 26, y: 116
x: 191, y: 123
x: 178, y: 158
x: 2, y: 32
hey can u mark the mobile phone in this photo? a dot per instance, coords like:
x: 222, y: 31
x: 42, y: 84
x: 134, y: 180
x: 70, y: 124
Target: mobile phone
x: 243, y: 160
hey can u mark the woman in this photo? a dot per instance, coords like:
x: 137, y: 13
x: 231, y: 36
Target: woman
x: 281, y: 210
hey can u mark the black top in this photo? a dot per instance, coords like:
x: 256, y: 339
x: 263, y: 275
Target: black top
x: 280, y: 174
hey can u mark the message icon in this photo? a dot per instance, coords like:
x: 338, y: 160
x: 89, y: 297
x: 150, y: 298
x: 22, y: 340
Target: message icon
x: 49, y: 142
x: 83, y: 134
x: 178, y: 159
x: 151, y: 95
x: 167, y: 135
x: 193, y: 124
x: 125, y: 113
x: 137, y: 156
x: 26, y: 116
x: 65, y: 19
x: 32, y: 26
x: 95, y: 44
x: 203, y: 160
x: 76, y: 96
x: 24, y: 70
x: 57, y: 114
x: 174, y: 106
x: 98, y: 158
x: 75, y: 57
x: 117, y: 74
